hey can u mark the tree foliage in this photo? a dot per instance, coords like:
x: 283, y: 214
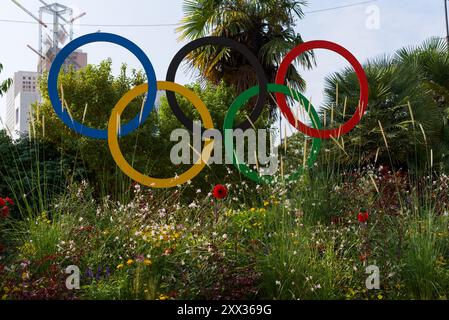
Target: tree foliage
x: 96, y: 90
x: 90, y: 94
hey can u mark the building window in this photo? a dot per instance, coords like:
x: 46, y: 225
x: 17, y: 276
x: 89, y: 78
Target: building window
x: 17, y: 116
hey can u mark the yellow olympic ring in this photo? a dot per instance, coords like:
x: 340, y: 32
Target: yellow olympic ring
x: 113, y: 134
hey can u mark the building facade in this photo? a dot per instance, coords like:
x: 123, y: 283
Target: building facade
x: 77, y: 60
x: 19, y: 98
x: 24, y: 92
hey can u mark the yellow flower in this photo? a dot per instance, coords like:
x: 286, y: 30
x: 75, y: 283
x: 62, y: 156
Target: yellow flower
x: 147, y: 262
x: 44, y: 217
x: 163, y: 297
x: 253, y: 209
x: 120, y: 266
x: 28, y: 249
x: 266, y: 203
x: 130, y: 262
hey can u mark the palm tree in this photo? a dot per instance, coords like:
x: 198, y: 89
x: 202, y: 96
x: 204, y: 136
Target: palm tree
x: 432, y: 59
x: 408, y: 96
x: 5, y: 84
x: 265, y: 27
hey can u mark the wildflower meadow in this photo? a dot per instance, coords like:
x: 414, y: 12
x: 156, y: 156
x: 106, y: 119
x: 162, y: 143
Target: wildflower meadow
x: 97, y: 214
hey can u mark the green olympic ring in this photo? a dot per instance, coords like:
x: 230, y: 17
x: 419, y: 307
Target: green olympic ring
x: 229, y: 123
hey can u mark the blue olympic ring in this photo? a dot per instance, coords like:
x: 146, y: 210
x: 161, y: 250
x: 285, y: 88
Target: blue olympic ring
x: 101, y: 37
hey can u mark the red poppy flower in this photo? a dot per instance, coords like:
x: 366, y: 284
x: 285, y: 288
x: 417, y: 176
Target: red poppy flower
x: 9, y: 200
x: 363, y: 217
x: 220, y: 191
x: 5, y: 212
x: 2, y: 202
x: 363, y: 257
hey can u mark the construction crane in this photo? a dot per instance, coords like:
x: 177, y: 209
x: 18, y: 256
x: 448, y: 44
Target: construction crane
x: 61, y: 30
x: 29, y: 13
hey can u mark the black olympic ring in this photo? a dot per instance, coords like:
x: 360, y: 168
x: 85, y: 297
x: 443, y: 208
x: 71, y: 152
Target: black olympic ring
x: 223, y: 42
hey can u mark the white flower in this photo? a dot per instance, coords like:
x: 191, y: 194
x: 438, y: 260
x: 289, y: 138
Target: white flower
x: 278, y: 283
x: 225, y: 236
x: 162, y: 212
x: 193, y: 205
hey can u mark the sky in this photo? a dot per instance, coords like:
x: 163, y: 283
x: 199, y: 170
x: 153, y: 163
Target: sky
x: 368, y: 30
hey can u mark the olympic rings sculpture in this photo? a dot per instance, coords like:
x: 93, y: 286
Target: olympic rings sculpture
x: 116, y: 130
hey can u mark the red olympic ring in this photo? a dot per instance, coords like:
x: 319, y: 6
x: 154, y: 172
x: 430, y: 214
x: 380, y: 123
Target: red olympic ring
x: 364, y: 90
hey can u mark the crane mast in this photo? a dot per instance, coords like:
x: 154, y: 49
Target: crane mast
x: 53, y: 35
